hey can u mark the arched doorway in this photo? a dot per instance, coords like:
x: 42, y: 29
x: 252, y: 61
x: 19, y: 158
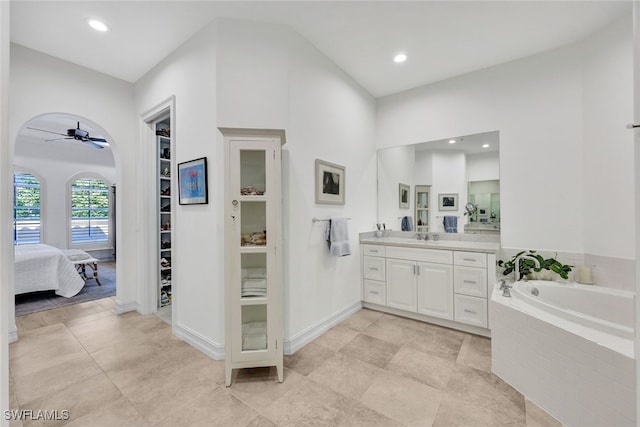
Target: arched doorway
x: 77, y: 168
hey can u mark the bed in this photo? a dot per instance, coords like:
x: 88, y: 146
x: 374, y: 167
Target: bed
x: 43, y: 267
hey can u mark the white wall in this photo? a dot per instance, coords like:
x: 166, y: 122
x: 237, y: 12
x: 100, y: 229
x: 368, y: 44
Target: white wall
x: 7, y: 321
x: 42, y: 84
x: 269, y: 77
x: 423, y: 166
x: 607, y: 83
x: 636, y: 136
x: 449, y: 176
x: 561, y: 118
x: 249, y: 75
x: 535, y: 103
x: 483, y: 166
x: 396, y: 165
x: 189, y: 74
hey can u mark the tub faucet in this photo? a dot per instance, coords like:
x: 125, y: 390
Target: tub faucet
x: 506, y: 292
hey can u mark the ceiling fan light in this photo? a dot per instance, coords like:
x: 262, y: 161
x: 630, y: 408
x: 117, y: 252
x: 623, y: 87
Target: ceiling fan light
x: 98, y: 25
x: 485, y: 146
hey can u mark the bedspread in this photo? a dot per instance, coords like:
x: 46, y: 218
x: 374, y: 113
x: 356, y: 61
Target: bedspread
x: 43, y: 267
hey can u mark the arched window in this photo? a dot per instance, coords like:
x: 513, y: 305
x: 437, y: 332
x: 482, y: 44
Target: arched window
x: 89, y: 211
x: 26, y: 209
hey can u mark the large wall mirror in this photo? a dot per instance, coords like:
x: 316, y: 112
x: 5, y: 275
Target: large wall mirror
x: 456, y: 177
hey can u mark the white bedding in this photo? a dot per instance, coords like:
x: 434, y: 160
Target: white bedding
x: 43, y: 267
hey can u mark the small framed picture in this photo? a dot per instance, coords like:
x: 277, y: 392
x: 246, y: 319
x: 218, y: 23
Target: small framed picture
x: 448, y: 201
x: 330, y: 183
x: 403, y: 195
x: 192, y: 182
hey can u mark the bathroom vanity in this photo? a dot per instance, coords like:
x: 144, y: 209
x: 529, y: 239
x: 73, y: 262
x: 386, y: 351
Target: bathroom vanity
x: 444, y: 282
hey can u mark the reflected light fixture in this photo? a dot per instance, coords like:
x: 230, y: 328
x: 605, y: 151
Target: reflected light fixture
x: 485, y: 145
x: 98, y: 25
x: 401, y: 57
x: 452, y: 141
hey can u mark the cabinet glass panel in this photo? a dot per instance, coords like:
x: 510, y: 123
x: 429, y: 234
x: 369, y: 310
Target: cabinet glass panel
x: 423, y: 218
x: 254, y: 327
x: 252, y: 172
x: 254, y: 219
x: 422, y: 199
x: 254, y: 275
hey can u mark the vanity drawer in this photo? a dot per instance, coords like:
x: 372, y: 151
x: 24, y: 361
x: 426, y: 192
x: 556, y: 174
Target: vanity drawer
x: 470, y: 281
x: 470, y: 259
x: 373, y: 250
x: 373, y: 268
x: 425, y: 255
x: 470, y: 310
x: 374, y: 292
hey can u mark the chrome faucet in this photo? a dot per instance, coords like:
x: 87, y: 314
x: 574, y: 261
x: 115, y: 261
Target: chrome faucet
x: 506, y: 292
x: 516, y: 270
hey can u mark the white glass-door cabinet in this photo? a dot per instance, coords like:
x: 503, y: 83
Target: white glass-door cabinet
x: 422, y: 208
x: 253, y: 289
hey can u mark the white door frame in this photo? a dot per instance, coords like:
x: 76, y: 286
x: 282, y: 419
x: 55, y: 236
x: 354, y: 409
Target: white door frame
x: 149, y: 222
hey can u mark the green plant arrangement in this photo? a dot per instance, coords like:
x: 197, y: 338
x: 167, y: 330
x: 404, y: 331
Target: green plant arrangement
x: 527, y: 265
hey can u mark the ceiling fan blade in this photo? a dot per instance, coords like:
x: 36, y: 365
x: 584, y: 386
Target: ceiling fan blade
x: 93, y: 144
x: 48, y: 131
x: 55, y: 139
x: 97, y: 139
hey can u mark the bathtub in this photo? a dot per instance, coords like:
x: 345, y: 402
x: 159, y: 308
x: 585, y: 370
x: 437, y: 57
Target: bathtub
x: 603, y: 310
x: 570, y: 349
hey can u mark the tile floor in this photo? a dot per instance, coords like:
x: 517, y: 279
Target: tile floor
x: 373, y: 369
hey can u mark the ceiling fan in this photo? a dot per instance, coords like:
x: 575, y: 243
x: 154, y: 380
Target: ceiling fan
x: 77, y: 134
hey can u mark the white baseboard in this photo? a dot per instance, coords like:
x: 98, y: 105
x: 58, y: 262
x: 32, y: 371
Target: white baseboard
x: 295, y: 343
x: 125, y: 307
x: 204, y: 344
x: 13, y: 335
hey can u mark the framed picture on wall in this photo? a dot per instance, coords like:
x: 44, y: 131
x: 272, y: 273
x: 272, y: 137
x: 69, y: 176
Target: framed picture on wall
x: 330, y: 183
x: 192, y: 182
x: 403, y: 195
x: 448, y: 201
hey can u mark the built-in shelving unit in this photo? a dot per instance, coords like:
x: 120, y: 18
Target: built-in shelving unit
x: 165, y: 189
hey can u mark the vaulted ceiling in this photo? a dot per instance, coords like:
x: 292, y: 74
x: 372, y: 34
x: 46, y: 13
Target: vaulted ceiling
x: 442, y: 39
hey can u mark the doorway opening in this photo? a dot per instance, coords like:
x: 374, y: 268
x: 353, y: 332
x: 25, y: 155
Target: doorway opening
x: 64, y: 214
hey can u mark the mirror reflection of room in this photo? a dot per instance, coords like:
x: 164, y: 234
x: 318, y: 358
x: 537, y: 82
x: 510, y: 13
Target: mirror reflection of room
x: 466, y: 166
x: 484, y: 205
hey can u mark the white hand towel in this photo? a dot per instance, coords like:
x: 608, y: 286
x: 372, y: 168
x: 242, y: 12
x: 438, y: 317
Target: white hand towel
x: 338, y: 236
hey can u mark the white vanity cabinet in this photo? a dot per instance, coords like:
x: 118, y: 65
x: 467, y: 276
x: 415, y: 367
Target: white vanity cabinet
x: 435, y: 290
x: 401, y: 284
x: 420, y: 280
x: 374, y: 273
x: 443, y: 286
x: 470, y: 285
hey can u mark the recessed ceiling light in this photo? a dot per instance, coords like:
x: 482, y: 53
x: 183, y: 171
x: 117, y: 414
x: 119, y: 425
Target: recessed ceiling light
x: 485, y: 145
x: 452, y: 141
x: 98, y: 25
x: 401, y: 57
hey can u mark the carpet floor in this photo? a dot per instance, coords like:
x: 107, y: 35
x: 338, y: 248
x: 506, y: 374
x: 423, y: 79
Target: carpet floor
x: 48, y: 300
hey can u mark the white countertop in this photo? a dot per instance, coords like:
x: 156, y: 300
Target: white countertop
x: 455, y: 245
